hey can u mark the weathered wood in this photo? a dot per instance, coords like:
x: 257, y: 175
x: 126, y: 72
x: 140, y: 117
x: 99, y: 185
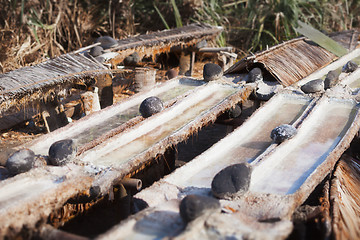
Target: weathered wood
x: 184, y: 64
x: 192, y: 62
x: 53, y: 115
x: 105, y: 90
x: 144, y: 79
x: 288, y: 62
x: 216, y: 49
x: 90, y: 101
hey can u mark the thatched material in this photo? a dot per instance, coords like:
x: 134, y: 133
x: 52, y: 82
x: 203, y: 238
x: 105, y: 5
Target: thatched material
x: 26, y: 84
x: 288, y: 62
x: 293, y: 60
x: 345, y: 199
x: 159, y: 42
x: 177, y: 35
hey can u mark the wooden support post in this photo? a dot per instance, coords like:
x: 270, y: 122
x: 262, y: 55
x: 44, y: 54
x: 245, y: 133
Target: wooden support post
x: 91, y: 102
x: 192, y: 62
x: 184, y: 64
x: 144, y: 79
x: 105, y: 90
x: 53, y: 115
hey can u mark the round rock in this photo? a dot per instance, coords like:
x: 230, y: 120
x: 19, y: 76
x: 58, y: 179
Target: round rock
x: 331, y: 79
x: 132, y: 59
x: 171, y: 73
x: 193, y: 206
x: 233, y: 112
x: 313, y: 86
x: 150, y: 106
x: 106, y: 42
x: 282, y: 133
x: 212, y: 72
x: 255, y: 75
x: 20, y: 161
x: 231, y: 182
x: 350, y: 66
x: 62, y: 152
x: 96, y: 51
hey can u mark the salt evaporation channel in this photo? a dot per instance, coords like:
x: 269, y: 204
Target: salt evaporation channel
x: 353, y: 80
x: 27, y: 198
x: 91, y: 127
x: 246, y: 143
x: 164, y: 222
x: 126, y: 145
x: 294, y: 161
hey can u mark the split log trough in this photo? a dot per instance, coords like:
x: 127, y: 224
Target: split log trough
x: 116, y: 144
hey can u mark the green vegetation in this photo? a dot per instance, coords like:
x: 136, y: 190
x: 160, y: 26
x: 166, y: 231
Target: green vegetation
x: 50, y: 27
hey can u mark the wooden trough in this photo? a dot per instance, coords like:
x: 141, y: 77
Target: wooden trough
x: 277, y: 188
x: 201, y: 105
x: 29, y: 86
x: 116, y: 144
x: 97, y: 127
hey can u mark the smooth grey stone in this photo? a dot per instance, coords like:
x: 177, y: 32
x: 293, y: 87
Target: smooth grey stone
x: 331, y: 79
x: 313, y: 86
x: 62, y: 152
x: 212, y: 72
x: 150, y: 106
x: 106, y: 42
x: 96, y: 51
x: 20, y: 161
x: 255, y: 75
x: 193, y: 206
x: 100, y: 59
x: 282, y: 133
x: 350, y: 66
x: 231, y: 182
x: 171, y: 73
x: 132, y: 59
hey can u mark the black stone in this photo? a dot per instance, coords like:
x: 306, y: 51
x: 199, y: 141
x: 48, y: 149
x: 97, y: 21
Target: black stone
x: 349, y: 67
x: 21, y: 161
x: 282, y: 133
x: 171, y: 73
x: 232, y: 181
x: 313, y: 86
x: 331, y: 79
x: 62, y: 152
x: 132, y: 60
x: 150, y: 106
x: 233, y: 112
x: 212, y: 72
x: 100, y: 59
x: 4, y: 173
x: 106, y: 42
x: 96, y: 51
x: 255, y: 75
x: 193, y: 206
